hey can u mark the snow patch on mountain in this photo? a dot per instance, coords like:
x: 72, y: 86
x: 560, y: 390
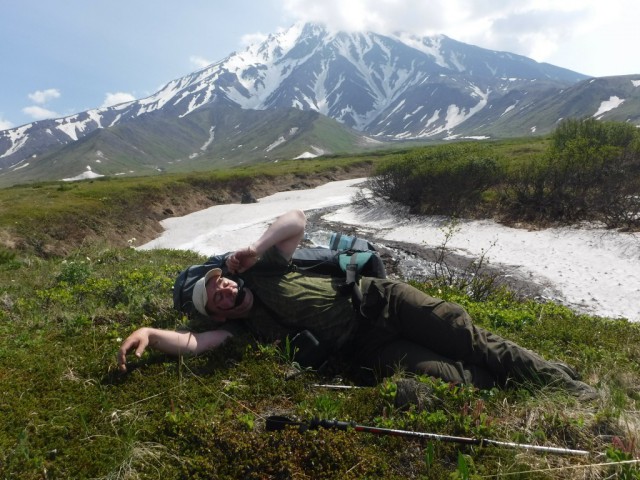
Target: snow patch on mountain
x: 305, y: 155
x: 608, y: 105
x: 434, y: 118
x: 95, y: 116
x: 19, y: 166
x: 457, y: 62
x: 430, y: 46
x: 456, y: 115
x: 317, y: 152
x: 18, y: 138
x: 162, y: 97
x: 86, y: 175
x: 212, y: 132
x: 508, y: 109
x: 75, y: 126
x: 278, y: 142
x: 68, y: 127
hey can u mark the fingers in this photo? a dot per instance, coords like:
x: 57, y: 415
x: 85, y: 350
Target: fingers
x: 137, y: 340
x: 122, y: 357
x: 142, y: 344
x: 242, y: 260
x: 233, y: 263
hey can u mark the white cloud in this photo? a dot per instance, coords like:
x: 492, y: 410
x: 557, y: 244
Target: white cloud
x: 5, y: 124
x: 112, y: 99
x: 252, y: 38
x: 386, y: 16
x: 538, y: 29
x: 43, y: 96
x: 199, y: 62
x: 39, y: 113
x: 479, y: 22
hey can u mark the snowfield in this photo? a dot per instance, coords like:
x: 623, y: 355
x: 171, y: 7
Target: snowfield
x: 591, y: 270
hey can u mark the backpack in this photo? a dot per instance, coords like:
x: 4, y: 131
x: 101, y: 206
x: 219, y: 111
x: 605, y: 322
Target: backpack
x: 348, y: 257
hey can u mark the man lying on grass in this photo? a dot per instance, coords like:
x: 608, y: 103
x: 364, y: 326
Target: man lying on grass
x: 395, y: 325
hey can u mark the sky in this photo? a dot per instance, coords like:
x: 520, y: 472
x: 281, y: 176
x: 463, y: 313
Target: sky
x: 60, y: 57
x: 590, y: 270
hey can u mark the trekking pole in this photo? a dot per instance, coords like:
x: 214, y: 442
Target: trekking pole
x: 277, y: 422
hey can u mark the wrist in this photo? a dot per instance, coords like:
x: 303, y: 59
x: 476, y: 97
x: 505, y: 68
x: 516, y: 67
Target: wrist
x: 254, y: 252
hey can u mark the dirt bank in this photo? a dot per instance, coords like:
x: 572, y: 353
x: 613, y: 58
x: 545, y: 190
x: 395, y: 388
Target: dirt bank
x: 139, y: 222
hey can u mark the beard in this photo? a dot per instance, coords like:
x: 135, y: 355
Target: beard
x: 243, y: 304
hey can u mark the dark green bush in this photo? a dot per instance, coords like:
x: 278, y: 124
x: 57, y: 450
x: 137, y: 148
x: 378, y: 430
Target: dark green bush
x: 590, y: 172
x: 448, y: 179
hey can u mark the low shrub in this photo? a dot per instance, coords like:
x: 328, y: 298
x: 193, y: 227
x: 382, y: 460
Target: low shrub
x: 590, y: 172
x: 443, y: 180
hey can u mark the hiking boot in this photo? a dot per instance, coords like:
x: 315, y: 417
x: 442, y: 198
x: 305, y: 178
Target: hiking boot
x: 582, y: 391
x: 412, y: 392
x: 569, y: 370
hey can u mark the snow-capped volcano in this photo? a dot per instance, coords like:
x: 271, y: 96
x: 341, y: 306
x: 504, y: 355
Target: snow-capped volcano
x: 381, y: 87
x: 359, y: 79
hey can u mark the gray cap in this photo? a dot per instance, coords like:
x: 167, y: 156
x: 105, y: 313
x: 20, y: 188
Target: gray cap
x: 200, y: 297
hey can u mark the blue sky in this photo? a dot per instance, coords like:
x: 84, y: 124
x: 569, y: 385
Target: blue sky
x: 61, y: 57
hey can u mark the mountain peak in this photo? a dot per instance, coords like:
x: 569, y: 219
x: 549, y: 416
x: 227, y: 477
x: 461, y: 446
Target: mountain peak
x: 389, y: 87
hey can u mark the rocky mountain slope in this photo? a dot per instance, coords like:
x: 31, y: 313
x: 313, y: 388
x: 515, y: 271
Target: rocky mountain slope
x: 308, y: 91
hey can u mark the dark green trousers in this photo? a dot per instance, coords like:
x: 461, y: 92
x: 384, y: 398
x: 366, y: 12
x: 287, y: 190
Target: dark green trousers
x: 404, y: 328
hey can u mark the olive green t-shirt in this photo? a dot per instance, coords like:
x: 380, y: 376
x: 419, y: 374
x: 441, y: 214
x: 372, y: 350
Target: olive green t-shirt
x: 287, y: 302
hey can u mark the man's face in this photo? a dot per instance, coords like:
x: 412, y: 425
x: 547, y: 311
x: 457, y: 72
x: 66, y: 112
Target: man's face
x: 221, y: 293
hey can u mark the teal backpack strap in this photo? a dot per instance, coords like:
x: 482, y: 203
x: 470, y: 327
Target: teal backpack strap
x: 353, y: 263
x: 352, y: 269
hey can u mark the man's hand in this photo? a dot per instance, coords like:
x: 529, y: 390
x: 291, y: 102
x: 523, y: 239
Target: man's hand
x: 242, y: 260
x: 138, y: 340
x: 169, y: 342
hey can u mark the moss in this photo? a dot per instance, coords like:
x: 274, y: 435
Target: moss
x: 64, y: 407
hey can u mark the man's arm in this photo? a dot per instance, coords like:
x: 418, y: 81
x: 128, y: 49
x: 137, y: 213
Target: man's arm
x: 170, y: 342
x: 285, y: 234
